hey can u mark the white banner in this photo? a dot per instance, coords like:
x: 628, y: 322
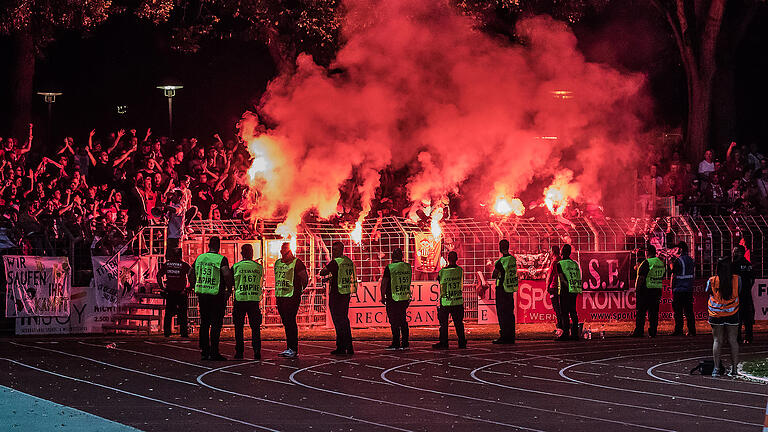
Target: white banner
x: 760, y: 297
x: 37, y: 286
x: 116, y: 284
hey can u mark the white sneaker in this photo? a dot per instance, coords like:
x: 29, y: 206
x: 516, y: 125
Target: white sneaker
x: 285, y: 353
x: 715, y: 372
x: 289, y: 353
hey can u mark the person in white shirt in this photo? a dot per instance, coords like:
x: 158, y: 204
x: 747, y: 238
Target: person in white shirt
x: 707, y: 166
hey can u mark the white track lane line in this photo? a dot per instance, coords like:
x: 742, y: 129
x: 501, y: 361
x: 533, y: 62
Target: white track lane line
x: 456, y: 380
x: 401, y: 405
x: 317, y: 411
x: 175, y: 405
x: 525, y: 407
x: 664, y: 380
x: 272, y: 380
x: 364, y: 380
x: 108, y: 364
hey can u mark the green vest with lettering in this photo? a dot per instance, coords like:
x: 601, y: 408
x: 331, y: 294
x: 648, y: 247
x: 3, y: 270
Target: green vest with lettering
x: 400, y: 280
x: 451, y: 282
x: 284, y: 278
x: 572, y: 275
x: 346, y: 280
x: 208, y: 273
x: 248, y: 275
x: 509, y: 264
x: 655, y: 273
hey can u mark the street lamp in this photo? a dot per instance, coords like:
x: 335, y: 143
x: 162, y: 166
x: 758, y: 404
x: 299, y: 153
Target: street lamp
x: 50, y: 99
x: 170, y: 91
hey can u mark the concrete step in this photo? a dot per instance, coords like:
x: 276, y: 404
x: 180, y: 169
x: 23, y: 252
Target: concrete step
x: 125, y: 327
x: 145, y: 306
x: 135, y: 317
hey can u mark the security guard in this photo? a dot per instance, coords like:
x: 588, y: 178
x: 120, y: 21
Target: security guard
x: 743, y: 268
x: 505, y: 273
x: 290, y: 280
x: 343, y: 281
x: 682, y: 291
x: 212, y: 279
x: 396, y: 296
x: 451, y: 279
x: 174, y: 290
x: 248, y: 277
x: 648, y: 292
x: 569, y: 289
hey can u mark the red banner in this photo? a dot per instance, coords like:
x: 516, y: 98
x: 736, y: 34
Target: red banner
x: 427, y: 253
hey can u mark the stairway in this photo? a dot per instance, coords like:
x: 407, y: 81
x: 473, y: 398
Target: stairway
x: 141, y: 314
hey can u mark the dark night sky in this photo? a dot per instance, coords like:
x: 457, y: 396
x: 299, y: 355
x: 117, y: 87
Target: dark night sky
x: 121, y: 62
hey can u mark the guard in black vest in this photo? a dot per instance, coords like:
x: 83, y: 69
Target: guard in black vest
x: 505, y: 273
x: 682, y: 291
x: 174, y: 290
x: 742, y: 267
x: 396, y: 296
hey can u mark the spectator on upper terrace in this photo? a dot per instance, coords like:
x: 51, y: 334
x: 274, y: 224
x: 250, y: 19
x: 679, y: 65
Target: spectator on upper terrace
x: 707, y: 166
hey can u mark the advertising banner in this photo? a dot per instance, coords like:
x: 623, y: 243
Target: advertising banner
x: 605, y: 271
x: 760, y: 297
x: 37, y: 286
x: 366, y: 309
x: 75, y: 322
x: 427, y: 253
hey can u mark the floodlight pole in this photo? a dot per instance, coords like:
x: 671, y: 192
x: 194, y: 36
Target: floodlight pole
x: 50, y: 99
x: 170, y: 91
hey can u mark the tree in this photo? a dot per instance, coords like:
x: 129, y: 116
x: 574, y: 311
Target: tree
x: 706, y: 32
x: 32, y: 24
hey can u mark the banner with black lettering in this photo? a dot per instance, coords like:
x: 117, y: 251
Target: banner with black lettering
x: 116, y: 283
x: 760, y: 299
x: 37, y: 286
x: 366, y: 309
x: 605, y: 271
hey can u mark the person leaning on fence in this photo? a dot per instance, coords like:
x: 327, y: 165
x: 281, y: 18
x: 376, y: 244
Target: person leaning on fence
x: 505, y: 273
x: 343, y: 281
x: 569, y: 288
x: 248, y: 276
x: 396, y: 296
x: 212, y: 279
x: 682, y: 291
x: 174, y: 289
x: 451, y: 280
x: 723, y: 306
x: 290, y: 280
x: 743, y: 268
x: 650, y: 273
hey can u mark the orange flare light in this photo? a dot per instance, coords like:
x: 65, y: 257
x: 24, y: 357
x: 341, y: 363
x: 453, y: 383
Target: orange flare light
x: 437, y: 230
x: 504, y: 207
x: 357, y: 234
x: 288, y: 234
x: 555, y: 200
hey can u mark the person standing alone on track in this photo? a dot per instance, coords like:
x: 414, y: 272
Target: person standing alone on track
x: 553, y: 281
x: 396, y: 296
x: 212, y: 279
x: 723, y: 306
x: 650, y: 274
x: 451, y: 279
x: 682, y: 291
x: 343, y: 281
x: 505, y: 273
x: 743, y: 268
x: 569, y: 289
x: 248, y: 277
x: 290, y: 280
x: 174, y: 290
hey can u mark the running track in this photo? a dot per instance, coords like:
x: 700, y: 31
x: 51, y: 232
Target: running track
x: 615, y: 384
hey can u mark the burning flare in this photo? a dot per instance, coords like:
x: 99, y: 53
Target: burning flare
x: 287, y: 234
x: 504, y: 207
x: 555, y: 200
x: 437, y: 230
x: 357, y: 234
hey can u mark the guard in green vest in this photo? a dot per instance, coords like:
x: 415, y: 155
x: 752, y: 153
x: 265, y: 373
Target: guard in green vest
x: 212, y: 279
x: 505, y: 273
x: 343, y: 281
x: 290, y: 280
x: 650, y: 273
x: 396, y: 296
x: 248, y: 277
x: 451, y: 280
x: 569, y: 289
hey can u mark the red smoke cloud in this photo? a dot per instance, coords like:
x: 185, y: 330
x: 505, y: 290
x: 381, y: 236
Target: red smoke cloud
x: 419, y: 86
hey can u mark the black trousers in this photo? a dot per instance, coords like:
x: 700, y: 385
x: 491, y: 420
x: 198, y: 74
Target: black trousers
x: 556, y: 309
x: 175, y: 305
x: 338, y: 304
x: 457, y: 314
x: 239, y: 311
x: 288, y: 308
x: 212, y: 308
x: 398, y: 321
x: 647, y: 303
x: 682, y: 304
x: 746, y: 313
x: 568, y: 316
x: 505, y: 310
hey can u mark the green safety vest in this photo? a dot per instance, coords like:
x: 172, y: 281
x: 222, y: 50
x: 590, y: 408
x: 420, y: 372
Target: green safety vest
x: 655, y: 273
x: 346, y: 280
x: 208, y: 273
x: 284, y: 278
x: 572, y: 275
x: 400, y: 280
x: 451, y: 282
x: 248, y: 275
x: 509, y: 264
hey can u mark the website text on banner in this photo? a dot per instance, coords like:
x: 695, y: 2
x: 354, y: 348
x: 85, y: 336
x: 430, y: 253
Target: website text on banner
x: 37, y: 286
x: 366, y: 309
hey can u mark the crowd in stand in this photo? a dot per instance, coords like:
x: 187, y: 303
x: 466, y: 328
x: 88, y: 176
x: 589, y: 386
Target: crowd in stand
x: 734, y: 184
